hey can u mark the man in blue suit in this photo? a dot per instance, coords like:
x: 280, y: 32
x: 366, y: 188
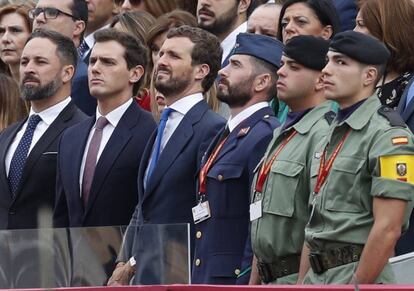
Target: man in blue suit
x: 188, y: 65
x: 222, y: 243
x: 98, y: 159
x: 406, y: 109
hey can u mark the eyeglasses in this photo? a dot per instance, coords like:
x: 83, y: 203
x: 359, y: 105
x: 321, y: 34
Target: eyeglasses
x: 49, y: 12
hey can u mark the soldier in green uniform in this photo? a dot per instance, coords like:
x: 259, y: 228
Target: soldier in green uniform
x: 279, y: 209
x: 362, y: 173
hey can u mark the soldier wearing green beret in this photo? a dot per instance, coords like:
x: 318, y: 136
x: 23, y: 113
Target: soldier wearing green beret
x: 362, y: 173
x: 279, y: 209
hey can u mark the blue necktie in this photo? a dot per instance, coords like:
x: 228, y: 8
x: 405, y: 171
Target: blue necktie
x: 82, y: 49
x: 157, y: 145
x: 19, y: 158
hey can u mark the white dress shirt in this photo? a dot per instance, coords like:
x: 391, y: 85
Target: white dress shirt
x: 90, y: 39
x: 113, y: 119
x: 181, y: 107
x: 228, y: 43
x: 48, y: 116
x: 246, y: 113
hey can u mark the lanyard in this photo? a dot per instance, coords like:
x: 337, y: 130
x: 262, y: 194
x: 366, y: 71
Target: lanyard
x: 325, y: 168
x: 207, y: 166
x: 264, y: 171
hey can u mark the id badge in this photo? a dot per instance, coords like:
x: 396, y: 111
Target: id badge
x: 201, y: 212
x: 256, y: 210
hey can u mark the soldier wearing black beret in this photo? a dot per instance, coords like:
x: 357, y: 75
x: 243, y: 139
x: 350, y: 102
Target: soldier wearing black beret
x: 362, y: 191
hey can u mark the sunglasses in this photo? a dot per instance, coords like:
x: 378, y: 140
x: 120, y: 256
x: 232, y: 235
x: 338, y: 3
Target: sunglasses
x: 49, y: 13
x: 133, y: 2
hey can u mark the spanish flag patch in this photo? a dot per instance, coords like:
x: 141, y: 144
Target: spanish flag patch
x: 398, y: 167
x: 399, y: 140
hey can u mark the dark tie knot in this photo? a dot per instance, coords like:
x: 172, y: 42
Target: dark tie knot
x: 101, y: 123
x: 33, y: 121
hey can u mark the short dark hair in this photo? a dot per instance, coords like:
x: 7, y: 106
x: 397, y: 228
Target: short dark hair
x: 262, y: 67
x: 206, y: 50
x: 79, y: 11
x: 135, y: 52
x: 65, y: 48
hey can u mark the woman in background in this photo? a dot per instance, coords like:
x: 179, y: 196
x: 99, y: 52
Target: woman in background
x: 392, y: 22
x: 12, y: 107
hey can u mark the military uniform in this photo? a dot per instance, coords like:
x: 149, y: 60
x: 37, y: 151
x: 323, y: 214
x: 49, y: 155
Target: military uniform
x: 376, y: 160
x: 278, y: 235
x: 222, y: 248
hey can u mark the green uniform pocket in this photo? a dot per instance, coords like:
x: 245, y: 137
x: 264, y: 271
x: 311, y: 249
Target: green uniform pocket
x: 281, y: 188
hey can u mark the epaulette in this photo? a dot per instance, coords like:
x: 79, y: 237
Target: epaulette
x: 330, y: 116
x: 392, y: 116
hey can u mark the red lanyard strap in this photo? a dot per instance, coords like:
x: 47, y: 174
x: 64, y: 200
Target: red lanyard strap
x: 325, y: 168
x: 264, y: 171
x: 207, y: 166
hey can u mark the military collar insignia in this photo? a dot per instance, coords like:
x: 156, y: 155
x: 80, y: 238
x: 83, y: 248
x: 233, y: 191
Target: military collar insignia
x: 243, y: 131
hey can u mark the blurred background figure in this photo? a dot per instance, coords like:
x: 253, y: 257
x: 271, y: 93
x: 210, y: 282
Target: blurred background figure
x: 15, y: 28
x: 155, y: 7
x: 12, y: 107
x: 137, y: 23
x: 347, y: 11
x: 378, y: 18
x: 305, y: 17
x: 264, y: 19
x: 187, y: 5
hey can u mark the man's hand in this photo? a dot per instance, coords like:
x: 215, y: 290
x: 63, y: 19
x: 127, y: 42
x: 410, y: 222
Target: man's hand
x: 122, y: 274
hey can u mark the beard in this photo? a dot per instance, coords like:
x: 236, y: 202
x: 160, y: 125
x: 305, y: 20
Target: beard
x: 222, y: 23
x: 33, y: 93
x: 237, y: 95
x: 172, y: 85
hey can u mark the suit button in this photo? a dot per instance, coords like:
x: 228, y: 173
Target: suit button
x: 197, y: 262
x: 12, y: 212
x: 220, y: 177
x: 198, y: 234
x: 266, y: 116
x: 237, y: 272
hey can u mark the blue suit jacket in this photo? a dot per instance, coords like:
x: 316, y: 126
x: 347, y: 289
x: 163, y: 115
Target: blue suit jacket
x: 347, y: 11
x: 113, y: 194
x: 80, y: 88
x: 171, y: 190
x: 222, y: 242
x: 406, y: 242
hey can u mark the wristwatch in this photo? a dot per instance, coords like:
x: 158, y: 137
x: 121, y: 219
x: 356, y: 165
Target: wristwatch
x: 132, y: 262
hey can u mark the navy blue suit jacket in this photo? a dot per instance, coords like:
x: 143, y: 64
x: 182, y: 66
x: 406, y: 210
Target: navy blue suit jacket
x: 222, y: 242
x: 80, y: 88
x: 113, y: 195
x: 406, y: 242
x: 171, y: 190
x: 37, y: 188
x: 347, y: 11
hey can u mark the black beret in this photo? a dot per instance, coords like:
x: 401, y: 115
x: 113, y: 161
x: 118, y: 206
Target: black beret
x: 307, y: 50
x: 361, y: 47
x: 260, y: 46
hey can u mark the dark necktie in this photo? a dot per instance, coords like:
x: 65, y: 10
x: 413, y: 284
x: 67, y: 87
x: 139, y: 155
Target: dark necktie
x: 82, y: 49
x: 157, y: 145
x: 20, y: 155
x: 91, y: 157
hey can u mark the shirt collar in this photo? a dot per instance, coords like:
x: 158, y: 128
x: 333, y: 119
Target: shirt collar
x: 90, y: 39
x: 246, y: 113
x: 360, y: 117
x: 184, y: 104
x: 115, y: 115
x: 228, y: 43
x: 50, y: 114
x: 306, y: 123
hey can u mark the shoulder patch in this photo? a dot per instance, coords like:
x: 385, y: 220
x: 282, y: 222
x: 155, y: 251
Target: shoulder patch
x: 330, y: 116
x: 392, y: 116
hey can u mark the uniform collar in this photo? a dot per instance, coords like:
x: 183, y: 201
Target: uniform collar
x: 361, y: 116
x: 306, y: 123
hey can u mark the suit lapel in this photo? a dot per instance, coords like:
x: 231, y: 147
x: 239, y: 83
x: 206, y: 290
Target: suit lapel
x: 51, y: 134
x: 181, y: 136
x: 4, y: 146
x: 118, y: 140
